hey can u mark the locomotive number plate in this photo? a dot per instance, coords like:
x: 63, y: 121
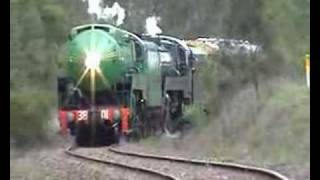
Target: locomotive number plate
x: 82, y: 115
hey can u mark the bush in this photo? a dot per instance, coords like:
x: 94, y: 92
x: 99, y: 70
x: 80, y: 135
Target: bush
x: 196, y: 115
x: 282, y: 131
x: 29, y: 115
x: 38, y: 31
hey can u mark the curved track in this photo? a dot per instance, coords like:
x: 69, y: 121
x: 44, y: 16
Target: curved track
x: 233, y: 166
x: 69, y: 151
x: 261, y: 172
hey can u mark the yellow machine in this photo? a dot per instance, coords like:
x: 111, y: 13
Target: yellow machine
x: 307, y: 68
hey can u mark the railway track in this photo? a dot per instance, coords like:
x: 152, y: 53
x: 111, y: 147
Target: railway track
x: 154, y: 165
x: 69, y: 151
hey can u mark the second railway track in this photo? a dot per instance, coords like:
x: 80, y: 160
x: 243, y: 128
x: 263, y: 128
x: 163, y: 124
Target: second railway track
x: 173, y: 168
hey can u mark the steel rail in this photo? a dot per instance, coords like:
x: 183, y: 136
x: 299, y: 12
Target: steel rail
x: 234, y: 166
x: 69, y: 151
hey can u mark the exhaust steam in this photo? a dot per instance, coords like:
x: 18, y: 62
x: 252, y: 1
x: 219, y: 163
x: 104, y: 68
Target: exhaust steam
x: 115, y: 13
x: 152, y: 27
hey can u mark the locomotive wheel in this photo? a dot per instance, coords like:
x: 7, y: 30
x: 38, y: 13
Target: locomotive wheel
x: 98, y: 134
x: 72, y: 127
x: 111, y: 135
x: 139, y: 126
x: 137, y: 129
x: 172, y: 120
x: 172, y: 127
x: 153, y: 123
x: 104, y: 134
x: 82, y: 134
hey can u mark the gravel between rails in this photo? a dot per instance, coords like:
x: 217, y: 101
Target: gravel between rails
x: 180, y: 170
x: 154, y: 174
x: 61, y: 166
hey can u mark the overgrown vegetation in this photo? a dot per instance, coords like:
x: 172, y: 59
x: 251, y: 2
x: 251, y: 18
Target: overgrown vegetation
x: 38, y: 29
x: 272, y: 129
x: 282, y: 130
x: 271, y: 122
x: 196, y: 115
x: 259, y: 110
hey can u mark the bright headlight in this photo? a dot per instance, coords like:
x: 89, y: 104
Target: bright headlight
x: 92, y: 60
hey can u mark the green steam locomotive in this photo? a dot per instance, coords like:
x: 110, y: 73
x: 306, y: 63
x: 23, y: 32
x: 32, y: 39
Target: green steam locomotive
x: 119, y: 83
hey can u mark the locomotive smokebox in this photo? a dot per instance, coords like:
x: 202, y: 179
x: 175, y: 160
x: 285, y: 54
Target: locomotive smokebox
x: 95, y: 50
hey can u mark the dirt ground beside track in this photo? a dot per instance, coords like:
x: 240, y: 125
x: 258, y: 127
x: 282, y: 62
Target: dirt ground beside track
x: 173, y: 148
x: 54, y: 164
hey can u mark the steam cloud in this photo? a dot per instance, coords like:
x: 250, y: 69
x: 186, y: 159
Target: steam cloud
x: 152, y: 27
x: 107, y: 13
x: 94, y: 6
x: 116, y: 10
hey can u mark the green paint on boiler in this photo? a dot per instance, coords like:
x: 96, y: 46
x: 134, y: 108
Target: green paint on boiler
x: 112, y: 65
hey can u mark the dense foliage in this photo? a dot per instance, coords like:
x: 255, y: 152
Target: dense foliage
x: 38, y: 30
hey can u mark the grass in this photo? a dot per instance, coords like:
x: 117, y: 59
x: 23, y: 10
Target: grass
x: 279, y: 133
x: 282, y: 131
x: 29, y: 116
x: 275, y: 133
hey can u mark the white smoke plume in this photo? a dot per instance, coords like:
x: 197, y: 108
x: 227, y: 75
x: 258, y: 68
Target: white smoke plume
x: 152, y: 27
x: 116, y: 10
x: 107, y: 13
x: 94, y: 7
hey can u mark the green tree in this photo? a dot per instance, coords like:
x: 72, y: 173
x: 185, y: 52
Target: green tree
x: 38, y: 32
